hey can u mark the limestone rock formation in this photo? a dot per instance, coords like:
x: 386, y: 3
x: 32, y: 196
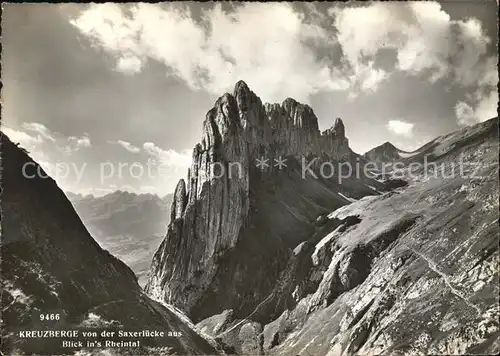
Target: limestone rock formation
x: 234, y: 217
x: 272, y: 261
x: 179, y: 201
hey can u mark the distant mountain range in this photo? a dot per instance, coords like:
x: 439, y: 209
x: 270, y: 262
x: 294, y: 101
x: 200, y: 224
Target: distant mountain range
x: 128, y: 225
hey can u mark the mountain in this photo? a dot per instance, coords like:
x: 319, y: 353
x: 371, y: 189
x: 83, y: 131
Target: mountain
x: 412, y: 271
x: 386, y: 152
x: 270, y: 260
x: 52, y: 266
x: 130, y: 226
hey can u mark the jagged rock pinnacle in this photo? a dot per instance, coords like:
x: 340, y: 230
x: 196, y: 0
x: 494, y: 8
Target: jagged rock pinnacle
x: 243, y: 95
x: 240, y: 86
x: 339, y: 128
x: 387, y: 144
x: 179, y: 201
x: 212, y: 215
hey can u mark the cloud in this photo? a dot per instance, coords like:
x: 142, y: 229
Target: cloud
x: 82, y: 141
x: 281, y: 58
x: 401, y: 128
x: 99, y: 192
x: 129, y: 65
x: 428, y: 43
x: 169, y: 157
x: 44, y: 145
x: 126, y: 145
x: 276, y: 58
x: 424, y: 37
x: 148, y: 189
x: 485, y: 109
x: 482, y: 104
x: 366, y: 78
x: 487, y: 106
x: 65, y: 144
x: 45, y: 136
x: 75, y: 143
x: 465, y: 113
x: 41, y: 129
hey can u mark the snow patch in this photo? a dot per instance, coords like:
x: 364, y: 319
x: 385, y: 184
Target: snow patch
x: 179, y: 314
x: 19, y: 296
x: 352, y: 200
x: 95, y: 321
x: 372, y: 188
x: 356, y: 208
x: 325, y: 240
x: 322, y: 243
x: 407, y: 154
x: 298, y: 248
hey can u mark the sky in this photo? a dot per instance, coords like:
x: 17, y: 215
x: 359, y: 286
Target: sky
x: 113, y: 96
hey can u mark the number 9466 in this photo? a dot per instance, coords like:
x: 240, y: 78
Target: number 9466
x: 45, y: 317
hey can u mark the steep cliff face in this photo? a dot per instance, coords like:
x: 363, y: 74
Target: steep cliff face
x: 234, y: 223
x: 51, y: 265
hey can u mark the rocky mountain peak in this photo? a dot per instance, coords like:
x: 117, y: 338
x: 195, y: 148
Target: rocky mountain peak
x: 244, y: 97
x: 179, y: 201
x: 211, y: 217
x: 336, y: 130
x: 389, y: 146
x: 339, y: 128
x: 241, y: 86
x: 242, y: 92
x: 384, y: 153
x: 289, y: 128
x: 301, y: 115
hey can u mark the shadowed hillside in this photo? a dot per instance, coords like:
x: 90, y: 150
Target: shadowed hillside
x: 51, y: 265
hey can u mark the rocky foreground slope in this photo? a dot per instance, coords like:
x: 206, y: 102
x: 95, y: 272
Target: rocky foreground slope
x: 51, y: 265
x: 270, y: 261
x: 413, y: 271
x: 130, y: 226
x: 410, y: 272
